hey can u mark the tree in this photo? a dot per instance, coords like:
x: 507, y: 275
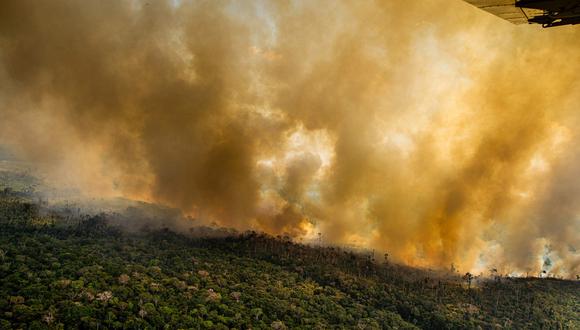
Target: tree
x: 494, y: 273
x: 468, y: 277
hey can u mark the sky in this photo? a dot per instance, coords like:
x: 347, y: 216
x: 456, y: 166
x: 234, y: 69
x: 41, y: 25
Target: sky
x: 428, y: 129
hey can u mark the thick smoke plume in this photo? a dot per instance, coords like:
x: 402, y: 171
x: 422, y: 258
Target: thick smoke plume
x: 428, y: 129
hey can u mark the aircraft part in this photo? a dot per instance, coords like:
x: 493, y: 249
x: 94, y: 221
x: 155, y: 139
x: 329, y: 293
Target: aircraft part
x: 548, y: 13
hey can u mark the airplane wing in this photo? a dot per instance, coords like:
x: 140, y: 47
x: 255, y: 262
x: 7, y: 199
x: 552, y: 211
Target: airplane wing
x: 507, y: 10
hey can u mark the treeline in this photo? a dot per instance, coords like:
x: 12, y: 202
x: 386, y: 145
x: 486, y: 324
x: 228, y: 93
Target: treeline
x: 83, y: 272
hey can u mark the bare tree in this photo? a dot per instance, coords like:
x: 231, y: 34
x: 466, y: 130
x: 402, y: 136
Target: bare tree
x: 468, y: 277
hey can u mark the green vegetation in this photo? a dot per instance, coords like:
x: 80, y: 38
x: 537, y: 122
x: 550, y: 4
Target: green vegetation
x: 60, y: 272
x: 17, y: 183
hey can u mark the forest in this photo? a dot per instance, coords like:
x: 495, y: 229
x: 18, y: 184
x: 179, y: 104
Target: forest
x: 62, y: 270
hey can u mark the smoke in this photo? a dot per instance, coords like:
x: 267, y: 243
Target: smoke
x: 428, y: 129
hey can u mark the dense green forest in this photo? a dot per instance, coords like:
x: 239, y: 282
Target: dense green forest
x: 72, y: 271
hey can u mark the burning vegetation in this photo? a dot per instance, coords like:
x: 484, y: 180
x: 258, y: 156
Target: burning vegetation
x: 88, y: 272
x: 423, y: 130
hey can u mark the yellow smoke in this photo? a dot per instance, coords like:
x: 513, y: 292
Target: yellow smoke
x: 428, y: 129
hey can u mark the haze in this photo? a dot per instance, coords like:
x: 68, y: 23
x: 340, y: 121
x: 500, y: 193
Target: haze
x: 426, y: 129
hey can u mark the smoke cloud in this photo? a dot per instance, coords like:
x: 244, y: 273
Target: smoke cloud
x: 428, y: 129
